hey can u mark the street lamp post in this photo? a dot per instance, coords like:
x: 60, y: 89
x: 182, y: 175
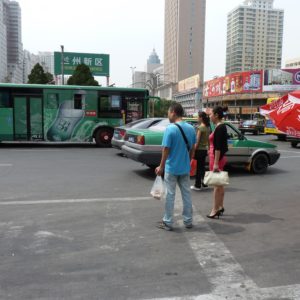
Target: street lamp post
x: 62, y: 65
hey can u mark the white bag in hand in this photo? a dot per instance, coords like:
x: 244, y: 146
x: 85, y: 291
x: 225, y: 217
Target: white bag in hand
x: 158, y: 188
x: 216, y: 178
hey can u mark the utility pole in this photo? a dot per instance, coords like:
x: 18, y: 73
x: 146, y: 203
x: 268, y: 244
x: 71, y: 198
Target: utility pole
x: 62, y: 65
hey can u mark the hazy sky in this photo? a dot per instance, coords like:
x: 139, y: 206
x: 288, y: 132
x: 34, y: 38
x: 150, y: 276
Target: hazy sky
x: 128, y: 30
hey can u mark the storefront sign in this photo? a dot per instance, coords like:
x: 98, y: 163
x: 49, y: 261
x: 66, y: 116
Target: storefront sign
x: 189, y: 83
x: 249, y: 110
x: 236, y: 83
x: 233, y: 110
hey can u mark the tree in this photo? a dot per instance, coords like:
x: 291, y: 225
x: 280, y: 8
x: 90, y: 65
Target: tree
x: 38, y: 76
x: 50, y: 78
x: 161, y: 107
x: 82, y: 76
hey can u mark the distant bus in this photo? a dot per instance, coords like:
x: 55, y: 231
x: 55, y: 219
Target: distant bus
x: 270, y: 128
x: 67, y: 113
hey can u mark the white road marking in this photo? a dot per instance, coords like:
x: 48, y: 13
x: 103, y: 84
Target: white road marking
x: 286, y: 151
x: 36, y: 150
x: 66, y: 201
x: 290, y: 156
x: 226, y: 275
x: 6, y: 165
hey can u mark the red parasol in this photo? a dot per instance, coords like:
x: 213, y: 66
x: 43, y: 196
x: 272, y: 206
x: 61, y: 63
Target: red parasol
x: 285, y: 113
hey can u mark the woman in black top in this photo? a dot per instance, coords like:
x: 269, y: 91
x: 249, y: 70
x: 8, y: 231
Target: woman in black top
x: 217, y: 160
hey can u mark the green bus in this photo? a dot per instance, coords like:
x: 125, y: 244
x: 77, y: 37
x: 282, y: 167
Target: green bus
x: 54, y: 113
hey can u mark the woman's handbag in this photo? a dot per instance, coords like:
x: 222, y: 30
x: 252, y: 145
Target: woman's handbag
x: 216, y: 178
x: 193, y: 167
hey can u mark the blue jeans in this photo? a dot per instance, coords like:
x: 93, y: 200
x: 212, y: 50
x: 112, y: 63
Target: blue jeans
x: 184, y: 185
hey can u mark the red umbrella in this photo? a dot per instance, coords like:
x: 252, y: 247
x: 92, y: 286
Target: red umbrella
x: 285, y: 113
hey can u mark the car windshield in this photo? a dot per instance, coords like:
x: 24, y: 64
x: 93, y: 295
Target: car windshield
x: 250, y: 122
x: 161, y: 126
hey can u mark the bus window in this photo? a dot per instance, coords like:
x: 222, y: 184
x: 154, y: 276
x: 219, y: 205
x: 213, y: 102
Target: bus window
x: 110, y: 106
x: 5, y: 100
x: 52, y: 101
x: 77, y: 101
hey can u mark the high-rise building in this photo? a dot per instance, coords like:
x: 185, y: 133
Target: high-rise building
x: 14, y: 42
x: 184, y: 39
x: 11, y: 55
x: 153, y: 62
x: 254, y: 36
x: 3, y: 42
x: 150, y: 77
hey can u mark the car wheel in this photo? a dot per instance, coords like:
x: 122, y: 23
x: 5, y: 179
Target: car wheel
x: 281, y: 137
x: 103, y: 137
x: 260, y: 163
x: 255, y: 132
x: 294, y: 144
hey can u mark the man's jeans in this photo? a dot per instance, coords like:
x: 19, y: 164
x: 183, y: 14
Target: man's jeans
x: 184, y: 185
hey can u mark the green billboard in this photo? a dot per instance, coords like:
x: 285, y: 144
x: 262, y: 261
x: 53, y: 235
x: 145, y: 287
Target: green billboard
x: 98, y: 63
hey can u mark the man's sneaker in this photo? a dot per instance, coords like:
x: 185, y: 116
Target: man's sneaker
x: 163, y: 225
x: 204, y: 185
x: 194, y: 188
x: 188, y: 226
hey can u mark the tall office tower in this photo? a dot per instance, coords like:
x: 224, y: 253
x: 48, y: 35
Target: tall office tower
x: 11, y: 18
x: 3, y: 42
x: 184, y: 39
x: 153, y: 62
x: 254, y: 36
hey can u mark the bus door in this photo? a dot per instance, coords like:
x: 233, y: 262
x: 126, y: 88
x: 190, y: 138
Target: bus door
x: 28, y: 118
x: 133, y: 106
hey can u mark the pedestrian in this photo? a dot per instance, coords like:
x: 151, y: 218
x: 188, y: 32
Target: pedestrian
x: 218, y: 146
x: 178, y: 149
x: 201, y: 149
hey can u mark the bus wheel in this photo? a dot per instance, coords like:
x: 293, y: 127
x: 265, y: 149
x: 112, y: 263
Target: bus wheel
x: 103, y: 137
x: 260, y: 163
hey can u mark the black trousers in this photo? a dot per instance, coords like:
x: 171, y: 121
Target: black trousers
x: 200, y: 156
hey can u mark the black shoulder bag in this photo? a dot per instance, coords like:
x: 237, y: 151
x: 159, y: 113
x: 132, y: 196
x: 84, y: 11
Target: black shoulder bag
x: 184, y: 137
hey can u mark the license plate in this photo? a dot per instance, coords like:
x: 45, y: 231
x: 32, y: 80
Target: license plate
x: 131, y: 139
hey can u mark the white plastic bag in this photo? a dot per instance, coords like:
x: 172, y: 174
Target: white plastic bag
x: 158, y: 188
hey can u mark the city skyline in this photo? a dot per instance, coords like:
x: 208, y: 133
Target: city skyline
x: 139, y: 31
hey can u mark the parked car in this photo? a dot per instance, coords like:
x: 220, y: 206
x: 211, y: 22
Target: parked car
x: 253, y: 126
x: 145, y: 146
x: 293, y: 140
x: 119, y: 132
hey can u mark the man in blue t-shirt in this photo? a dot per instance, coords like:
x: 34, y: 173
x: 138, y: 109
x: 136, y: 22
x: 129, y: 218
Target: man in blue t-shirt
x: 178, y: 149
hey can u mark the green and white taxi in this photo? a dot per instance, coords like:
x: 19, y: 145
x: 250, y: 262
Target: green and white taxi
x: 145, y: 146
